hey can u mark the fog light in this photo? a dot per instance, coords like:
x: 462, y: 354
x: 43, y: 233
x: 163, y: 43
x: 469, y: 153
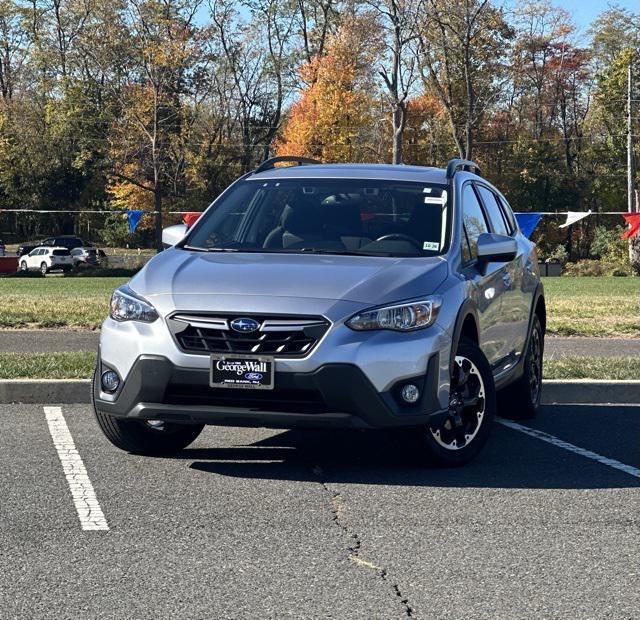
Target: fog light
x: 410, y: 393
x: 110, y: 381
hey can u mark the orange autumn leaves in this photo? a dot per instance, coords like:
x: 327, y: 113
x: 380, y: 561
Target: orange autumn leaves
x: 335, y: 116
x: 339, y: 117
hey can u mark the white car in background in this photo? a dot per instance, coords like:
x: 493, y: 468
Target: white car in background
x: 47, y: 259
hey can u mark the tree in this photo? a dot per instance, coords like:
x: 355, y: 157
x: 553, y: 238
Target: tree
x: 616, y: 44
x: 333, y: 118
x: 149, y: 61
x: 462, y: 51
x: 317, y: 20
x: 400, y: 22
x: 256, y: 57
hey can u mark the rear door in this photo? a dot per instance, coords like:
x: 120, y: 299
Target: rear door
x: 515, y: 308
x: 487, y: 283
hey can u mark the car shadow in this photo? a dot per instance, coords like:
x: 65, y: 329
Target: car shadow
x: 510, y: 460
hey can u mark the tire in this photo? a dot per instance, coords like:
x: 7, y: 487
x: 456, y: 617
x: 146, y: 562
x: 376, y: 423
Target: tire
x: 23, y: 266
x: 458, y: 437
x: 44, y: 269
x: 521, y: 399
x: 140, y: 437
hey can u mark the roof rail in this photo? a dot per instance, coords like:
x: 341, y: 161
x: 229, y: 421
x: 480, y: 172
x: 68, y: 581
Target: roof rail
x: 455, y: 164
x: 269, y: 164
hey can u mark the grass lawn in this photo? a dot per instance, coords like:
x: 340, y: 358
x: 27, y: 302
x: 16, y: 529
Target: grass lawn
x: 593, y: 306
x: 575, y: 306
x: 592, y: 368
x: 80, y: 366
x: 47, y: 365
x: 55, y: 301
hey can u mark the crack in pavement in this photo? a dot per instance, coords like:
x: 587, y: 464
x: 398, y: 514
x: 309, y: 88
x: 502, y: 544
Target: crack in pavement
x: 337, y: 508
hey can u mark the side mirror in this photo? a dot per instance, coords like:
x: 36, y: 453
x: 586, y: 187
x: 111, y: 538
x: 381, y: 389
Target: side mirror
x: 173, y: 234
x: 494, y: 248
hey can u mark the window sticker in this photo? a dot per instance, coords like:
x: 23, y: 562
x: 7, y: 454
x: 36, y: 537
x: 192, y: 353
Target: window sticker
x: 433, y: 246
x: 427, y: 190
x: 428, y: 200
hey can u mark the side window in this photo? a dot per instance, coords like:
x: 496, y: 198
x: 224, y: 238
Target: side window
x: 508, y: 214
x: 490, y: 201
x: 473, y: 220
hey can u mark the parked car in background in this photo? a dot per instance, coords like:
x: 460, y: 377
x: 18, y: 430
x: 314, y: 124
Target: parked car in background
x: 85, y: 256
x: 25, y: 248
x: 47, y: 259
x: 89, y: 256
x: 2, y: 248
x: 64, y: 241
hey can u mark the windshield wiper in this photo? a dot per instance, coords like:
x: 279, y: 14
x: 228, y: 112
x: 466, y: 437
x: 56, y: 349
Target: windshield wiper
x: 198, y: 249
x: 339, y: 252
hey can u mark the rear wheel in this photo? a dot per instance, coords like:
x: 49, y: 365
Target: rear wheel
x: 150, y: 438
x: 455, y: 438
x: 521, y: 399
x: 43, y: 269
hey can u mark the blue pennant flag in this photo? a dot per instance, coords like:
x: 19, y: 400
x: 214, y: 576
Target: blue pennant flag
x: 134, y: 218
x: 527, y: 222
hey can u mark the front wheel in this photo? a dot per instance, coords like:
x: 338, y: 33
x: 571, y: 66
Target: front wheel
x: 149, y: 438
x: 455, y: 438
x: 23, y: 266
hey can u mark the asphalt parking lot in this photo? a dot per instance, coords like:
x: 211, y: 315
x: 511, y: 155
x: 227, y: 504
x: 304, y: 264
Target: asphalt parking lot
x: 254, y: 523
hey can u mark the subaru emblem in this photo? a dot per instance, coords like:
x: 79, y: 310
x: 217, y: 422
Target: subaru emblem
x: 245, y: 325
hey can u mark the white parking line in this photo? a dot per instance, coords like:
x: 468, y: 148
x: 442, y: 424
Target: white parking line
x: 603, y: 460
x: 84, y: 497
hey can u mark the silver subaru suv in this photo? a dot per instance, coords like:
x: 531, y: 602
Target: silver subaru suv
x: 387, y: 297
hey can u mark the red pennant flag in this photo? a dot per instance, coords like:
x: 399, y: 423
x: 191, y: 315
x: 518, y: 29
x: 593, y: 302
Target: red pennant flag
x: 191, y: 218
x: 633, y: 219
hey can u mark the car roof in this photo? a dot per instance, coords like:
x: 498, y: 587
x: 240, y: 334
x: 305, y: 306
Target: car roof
x: 386, y: 172
x: 50, y: 247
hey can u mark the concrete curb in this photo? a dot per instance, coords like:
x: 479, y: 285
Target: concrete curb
x: 560, y: 392
x: 590, y: 391
x: 60, y: 391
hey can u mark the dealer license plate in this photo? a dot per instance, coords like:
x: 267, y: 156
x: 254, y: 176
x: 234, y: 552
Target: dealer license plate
x: 249, y: 372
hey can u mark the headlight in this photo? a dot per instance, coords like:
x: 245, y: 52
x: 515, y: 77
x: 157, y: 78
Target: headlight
x: 400, y: 317
x: 127, y: 306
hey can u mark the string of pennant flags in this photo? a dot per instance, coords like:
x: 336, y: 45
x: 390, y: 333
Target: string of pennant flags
x: 526, y: 221
x: 529, y: 221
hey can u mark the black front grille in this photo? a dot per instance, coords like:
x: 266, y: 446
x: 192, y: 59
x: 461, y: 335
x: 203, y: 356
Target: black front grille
x: 276, y: 336
x: 280, y: 399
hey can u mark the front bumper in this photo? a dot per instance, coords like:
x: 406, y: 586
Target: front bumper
x: 333, y: 395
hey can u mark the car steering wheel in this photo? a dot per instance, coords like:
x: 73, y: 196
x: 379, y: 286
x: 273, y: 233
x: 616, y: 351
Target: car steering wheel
x: 400, y: 237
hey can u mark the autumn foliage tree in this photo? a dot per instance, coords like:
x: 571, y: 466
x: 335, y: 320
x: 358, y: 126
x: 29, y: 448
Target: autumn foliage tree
x: 336, y: 112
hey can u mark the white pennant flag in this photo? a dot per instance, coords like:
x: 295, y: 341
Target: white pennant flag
x: 574, y: 216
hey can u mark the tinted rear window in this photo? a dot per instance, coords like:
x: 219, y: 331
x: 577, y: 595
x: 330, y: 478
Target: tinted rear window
x: 61, y: 253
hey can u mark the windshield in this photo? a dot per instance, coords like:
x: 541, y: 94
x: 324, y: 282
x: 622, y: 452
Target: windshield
x: 333, y: 216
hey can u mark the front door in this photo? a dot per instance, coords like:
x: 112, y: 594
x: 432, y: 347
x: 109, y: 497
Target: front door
x: 488, y: 283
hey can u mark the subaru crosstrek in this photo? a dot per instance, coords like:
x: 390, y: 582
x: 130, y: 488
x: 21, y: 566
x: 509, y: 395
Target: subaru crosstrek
x: 344, y: 296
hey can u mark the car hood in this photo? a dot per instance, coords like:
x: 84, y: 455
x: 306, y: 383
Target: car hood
x: 361, y: 279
